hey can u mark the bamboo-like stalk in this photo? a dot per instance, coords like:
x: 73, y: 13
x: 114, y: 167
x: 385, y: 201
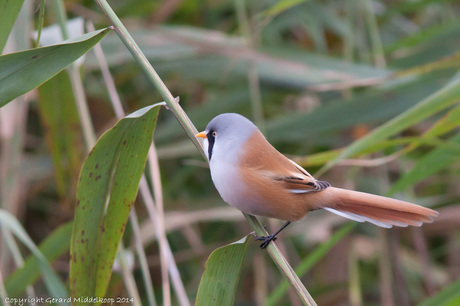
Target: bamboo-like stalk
x: 128, y: 277
x: 164, y: 246
x: 142, y: 258
x: 190, y: 129
x: 376, y: 41
x: 160, y: 228
x: 253, y: 77
x: 77, y: 86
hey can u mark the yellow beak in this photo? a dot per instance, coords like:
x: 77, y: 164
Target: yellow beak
x: 201, y: 135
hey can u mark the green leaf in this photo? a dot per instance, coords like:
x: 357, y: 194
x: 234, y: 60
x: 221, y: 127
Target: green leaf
x: 55, y: 245
x: 448, y: 296
x: 9, y: 10
x: 306, y: 264
x: 110, y: 174
x: 440, y: 100
x: 59, y: 115
x: 22, y: 71
x: 368, y: 107
x: 280, y: 7
x: 450, y: 121
x: 221, y: 274
x: 440, y: 158
x: 53, y: 283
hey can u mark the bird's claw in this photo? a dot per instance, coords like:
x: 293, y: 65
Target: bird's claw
x: 266, y: 240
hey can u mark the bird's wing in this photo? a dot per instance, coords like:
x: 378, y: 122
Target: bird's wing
x: 263, y: 161
x: 298, y: 180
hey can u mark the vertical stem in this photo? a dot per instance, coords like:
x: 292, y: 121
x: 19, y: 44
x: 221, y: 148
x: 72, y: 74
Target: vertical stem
x: 82, y: 107
x: 156, y: 179
x: 142, y: 258
x: 62, y: 18
x: 77, y: 86
x: 253, y: 77
x: 376, y: 42
x: 41, y: 17
x: 355, y: 295
x: 128, y: 277
x: 109, y: 83
x: 386, y: 292
x: 164, y: 246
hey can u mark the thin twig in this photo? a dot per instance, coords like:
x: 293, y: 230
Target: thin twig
x: 107, y: 76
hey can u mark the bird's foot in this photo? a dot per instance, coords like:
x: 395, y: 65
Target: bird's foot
x: 266, y: 240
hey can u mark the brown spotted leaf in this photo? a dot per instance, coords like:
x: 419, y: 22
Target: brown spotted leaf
x: 110, y: 174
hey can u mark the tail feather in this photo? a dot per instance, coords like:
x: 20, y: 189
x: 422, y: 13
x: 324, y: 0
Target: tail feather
x: 381, y: 211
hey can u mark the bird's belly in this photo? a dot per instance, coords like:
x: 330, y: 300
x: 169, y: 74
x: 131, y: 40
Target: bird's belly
x: 233, y: 190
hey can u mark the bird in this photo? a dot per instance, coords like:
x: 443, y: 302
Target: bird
x: 254, y: 177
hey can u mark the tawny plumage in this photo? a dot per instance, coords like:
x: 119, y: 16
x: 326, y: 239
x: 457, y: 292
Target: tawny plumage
x: 253, y: 176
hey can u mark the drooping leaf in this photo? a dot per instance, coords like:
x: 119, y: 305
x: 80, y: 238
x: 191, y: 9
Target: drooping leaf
x: 110, y: 175
x: 54, y: 285
x: 221, y: 274
x: 440, y: 100
x: 55, y: 245
x: 440, y: 158
x: 23, y: 71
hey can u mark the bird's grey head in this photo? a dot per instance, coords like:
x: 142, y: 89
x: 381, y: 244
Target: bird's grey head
x: 226, y: 133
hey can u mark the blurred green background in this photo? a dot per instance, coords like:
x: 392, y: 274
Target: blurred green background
x: 315, y: 76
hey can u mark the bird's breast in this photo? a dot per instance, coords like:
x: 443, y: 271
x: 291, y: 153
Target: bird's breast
x: 228, y: 182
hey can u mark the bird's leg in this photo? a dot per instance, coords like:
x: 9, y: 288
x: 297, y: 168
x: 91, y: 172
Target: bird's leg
x: 267, y: 239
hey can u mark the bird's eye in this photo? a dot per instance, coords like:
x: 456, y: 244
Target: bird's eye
x: 214, y: 134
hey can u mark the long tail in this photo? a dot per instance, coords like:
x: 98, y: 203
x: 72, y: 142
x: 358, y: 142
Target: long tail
x: 381, y: 211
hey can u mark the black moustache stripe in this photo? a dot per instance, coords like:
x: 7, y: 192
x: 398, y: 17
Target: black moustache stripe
x: 211, y: 140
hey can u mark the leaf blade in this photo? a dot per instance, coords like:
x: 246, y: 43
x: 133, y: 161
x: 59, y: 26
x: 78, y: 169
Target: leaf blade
x: 220, y: 277
x: 22, y: 71
x: 111, y: 172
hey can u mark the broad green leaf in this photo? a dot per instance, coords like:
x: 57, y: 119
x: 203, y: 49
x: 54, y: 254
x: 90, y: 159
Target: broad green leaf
x: 441, y: 157
x: 9, y: 10
x: 54, y: 285
x: 22, y: 71
x: 306, y: 264
x: 55, y: 245
x: 110, y: 175
x: 440, y: 100
x: 449, y: 296
x: 221, y: 274
x: 59, y: 116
